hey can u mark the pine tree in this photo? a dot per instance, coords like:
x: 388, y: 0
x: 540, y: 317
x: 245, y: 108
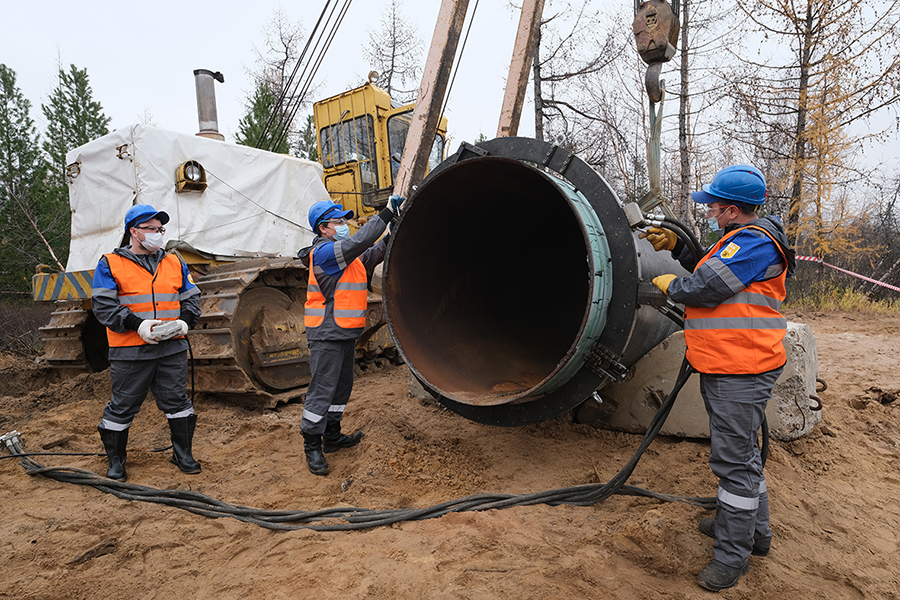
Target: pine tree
x: 258, y: 128
x: 73, y: 118
x: 306, y: 141
x: 24, y: 194
x: 278, y: 93
x: 841, y: 70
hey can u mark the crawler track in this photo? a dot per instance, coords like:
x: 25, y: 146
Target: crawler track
x: 250, y: 343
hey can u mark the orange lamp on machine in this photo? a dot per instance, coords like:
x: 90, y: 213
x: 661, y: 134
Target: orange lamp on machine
x: 190, y: 176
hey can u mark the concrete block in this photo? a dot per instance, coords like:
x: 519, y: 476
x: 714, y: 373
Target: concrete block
x: 630, y: 405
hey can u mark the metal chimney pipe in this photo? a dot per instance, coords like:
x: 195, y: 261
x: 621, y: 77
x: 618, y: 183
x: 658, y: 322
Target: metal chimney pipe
x: 206, y: 103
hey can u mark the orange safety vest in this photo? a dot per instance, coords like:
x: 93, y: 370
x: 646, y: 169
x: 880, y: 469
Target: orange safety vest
x: 351, y: 300
x: 147, y: 295
x: 742, y: 335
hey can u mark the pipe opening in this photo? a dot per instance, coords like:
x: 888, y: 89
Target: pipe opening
x: 489, y: 280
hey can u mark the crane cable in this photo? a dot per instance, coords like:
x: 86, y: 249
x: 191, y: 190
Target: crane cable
x: 280, y: 128
x: 458, y: 62
x: 298, y: 101
x: 359, y: 518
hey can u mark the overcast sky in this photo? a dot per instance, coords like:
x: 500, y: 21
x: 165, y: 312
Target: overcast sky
x: 141, y: 56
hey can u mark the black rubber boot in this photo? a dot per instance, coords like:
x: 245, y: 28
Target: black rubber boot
x: 760, y: 548
x: 182, y: 436
x: 114, y: 442
x: 334, y: 440
x: 718, y: 576
x: 312, y: 445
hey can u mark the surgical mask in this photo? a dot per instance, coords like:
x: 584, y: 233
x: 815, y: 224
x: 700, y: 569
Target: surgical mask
x: 152, y: 241
x: 341, y: 232
x: 713, y: 222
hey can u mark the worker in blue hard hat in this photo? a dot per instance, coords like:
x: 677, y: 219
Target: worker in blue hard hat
x: 734, y: 331
x: 146, y: 299
x: 335, y: 316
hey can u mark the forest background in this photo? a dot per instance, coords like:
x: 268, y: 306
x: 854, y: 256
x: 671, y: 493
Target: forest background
x: 807, y: 91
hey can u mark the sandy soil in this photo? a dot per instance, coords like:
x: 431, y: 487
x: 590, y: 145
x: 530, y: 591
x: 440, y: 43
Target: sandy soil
x: 835, y: 498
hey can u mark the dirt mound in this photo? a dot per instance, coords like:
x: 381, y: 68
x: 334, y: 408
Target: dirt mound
x: 834, y: 498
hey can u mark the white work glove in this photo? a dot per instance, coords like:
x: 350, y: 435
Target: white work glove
x: 170, y: 329
x: 144, y: 330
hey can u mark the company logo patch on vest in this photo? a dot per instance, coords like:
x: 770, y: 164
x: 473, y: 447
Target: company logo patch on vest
x: 730, y: 250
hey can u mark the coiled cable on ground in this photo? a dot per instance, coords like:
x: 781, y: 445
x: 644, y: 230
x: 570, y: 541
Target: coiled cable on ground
x: 354, y: 518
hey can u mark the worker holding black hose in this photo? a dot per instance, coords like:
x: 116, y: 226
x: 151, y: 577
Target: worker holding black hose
x: 335, y: 316
x: 734, y: 332
x: 146, y: 299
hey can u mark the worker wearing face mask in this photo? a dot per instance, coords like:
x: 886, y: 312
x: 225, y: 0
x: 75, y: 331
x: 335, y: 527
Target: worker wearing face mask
x: 335, y: 316
x: 147, y: 301
x: 734, y: 334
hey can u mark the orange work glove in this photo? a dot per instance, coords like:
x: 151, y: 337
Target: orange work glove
x: 662, y: 239
x: 663, y: 281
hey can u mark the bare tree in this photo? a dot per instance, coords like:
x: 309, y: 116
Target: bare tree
x: 395, y: 51
x: 276, y: 95
x: 572, y: 46
x: 841, y: 68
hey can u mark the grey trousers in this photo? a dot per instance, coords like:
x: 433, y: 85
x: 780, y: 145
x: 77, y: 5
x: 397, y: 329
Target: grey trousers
x: 736, y: 405
x: 166, y: 377
x: 331, y: 363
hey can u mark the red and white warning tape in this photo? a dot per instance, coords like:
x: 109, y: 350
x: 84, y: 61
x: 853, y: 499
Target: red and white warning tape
x: 863, y: 277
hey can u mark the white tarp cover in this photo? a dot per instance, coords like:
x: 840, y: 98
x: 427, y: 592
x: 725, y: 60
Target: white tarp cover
x: 255, y: 203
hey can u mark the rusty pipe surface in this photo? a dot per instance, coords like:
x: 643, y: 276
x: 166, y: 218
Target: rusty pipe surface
x: 502, y: 278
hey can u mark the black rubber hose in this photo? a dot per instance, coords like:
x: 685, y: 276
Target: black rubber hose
x: 54, y: 454
x: 359, y: 518
x: 685, y: 235
x: 687, y: 232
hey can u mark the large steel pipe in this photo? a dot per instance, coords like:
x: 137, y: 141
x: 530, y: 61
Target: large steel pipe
x: 511, y: 271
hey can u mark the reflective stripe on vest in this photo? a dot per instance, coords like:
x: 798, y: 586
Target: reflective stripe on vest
x: 351, y: 300
x: 742, y: 335
x: 147, y: 295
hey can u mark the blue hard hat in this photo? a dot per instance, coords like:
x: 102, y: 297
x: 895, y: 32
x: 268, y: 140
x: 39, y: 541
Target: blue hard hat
x: 326, y: 209
x: 740, y: 183
x: 141, y: 213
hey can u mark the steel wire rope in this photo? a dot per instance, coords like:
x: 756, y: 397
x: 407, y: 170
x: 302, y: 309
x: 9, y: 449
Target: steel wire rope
x: 304, y: 88
x: 462, y: 49
x: 297, y: 99
x: 284, y: 89
x: 248, y: 198
x: 315, y: 70
x: 359, y: 518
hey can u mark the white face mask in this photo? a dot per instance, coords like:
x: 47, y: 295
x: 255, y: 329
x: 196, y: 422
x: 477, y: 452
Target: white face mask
x: 152, y: 241
x: 341, y: 232
x: 713, y: 222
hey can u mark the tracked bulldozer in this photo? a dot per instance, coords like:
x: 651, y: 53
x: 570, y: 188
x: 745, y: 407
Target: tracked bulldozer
x: 238, y: 218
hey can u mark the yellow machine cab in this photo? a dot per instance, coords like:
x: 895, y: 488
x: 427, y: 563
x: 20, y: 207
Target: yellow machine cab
x: 361, y: 136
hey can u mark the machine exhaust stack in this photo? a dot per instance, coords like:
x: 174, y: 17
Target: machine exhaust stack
x: 206, y: 103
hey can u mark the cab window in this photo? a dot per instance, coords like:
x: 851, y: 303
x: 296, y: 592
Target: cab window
x: 398, y: 128
x: 351, y: 140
